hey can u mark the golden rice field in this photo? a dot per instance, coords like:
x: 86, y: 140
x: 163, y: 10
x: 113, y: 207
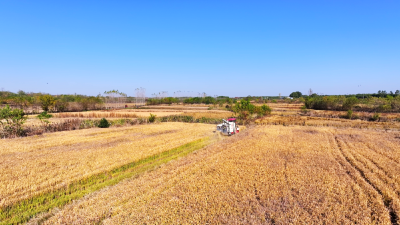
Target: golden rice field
x: 37, y: 164
x: 265, y: 175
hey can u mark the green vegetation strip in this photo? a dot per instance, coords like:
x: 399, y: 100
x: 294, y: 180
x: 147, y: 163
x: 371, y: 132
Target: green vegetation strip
x: 23, y: 211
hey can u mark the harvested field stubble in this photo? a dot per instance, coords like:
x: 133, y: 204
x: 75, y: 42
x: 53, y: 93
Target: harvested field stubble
x: 291, y: 120
x: 37, y: 164
x: 383, y: 117
x: 267, y: 174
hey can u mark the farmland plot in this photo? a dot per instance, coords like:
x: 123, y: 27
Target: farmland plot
x: 34, y: 165
x: 267, y: 174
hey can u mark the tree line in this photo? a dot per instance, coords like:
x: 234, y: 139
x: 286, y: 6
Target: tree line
x: 367, y: 104
x: 379, y: 94
x: 382, y: 101
x: 46, y: 102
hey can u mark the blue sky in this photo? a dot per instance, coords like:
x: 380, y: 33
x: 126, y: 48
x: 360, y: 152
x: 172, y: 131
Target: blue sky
x: 234, y: 48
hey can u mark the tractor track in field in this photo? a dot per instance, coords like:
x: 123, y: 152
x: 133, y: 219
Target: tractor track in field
x: 382, y: 154
x: 387, y: 201
x: 388, y: 175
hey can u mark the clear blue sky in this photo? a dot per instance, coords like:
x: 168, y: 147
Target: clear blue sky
x: 234, y: 48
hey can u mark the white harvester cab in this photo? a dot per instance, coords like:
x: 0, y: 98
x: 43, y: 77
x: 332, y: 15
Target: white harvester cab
x: 228, y: 127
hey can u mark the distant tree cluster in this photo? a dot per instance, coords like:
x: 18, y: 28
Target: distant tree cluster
x: 386, y: 103
x: 246, y: 110
x: 50, y: 103
x: 156, y: 101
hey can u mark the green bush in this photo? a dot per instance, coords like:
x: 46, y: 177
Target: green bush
x: 304, y: 109
x: 349, y: 114
x: 274, y: 101
x: 152, y: 118
x: 375, y: 117
x: 384, y: 108
x: 44, y: 116
x: 118, y: 122
x: 266, y: 110
x: 11, y: 121
x: 104, y: 123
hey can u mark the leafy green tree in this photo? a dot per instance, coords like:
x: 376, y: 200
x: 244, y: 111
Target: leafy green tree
x: 349, y: 103
x: 11, y: 121
x: 21, y: 101
x: 208, y: 100
x: 47, y: 102
x: 245, y: 110
x: 382, y: 93
x: 296, y: 94
x: 397, y: 92
x: 21, y: 93
x: 61, y: 105
x: 90, y: 102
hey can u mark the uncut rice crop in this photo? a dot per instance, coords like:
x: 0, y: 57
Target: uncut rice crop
x: 36, y: 164
x: 95, y: 114
x: 267, y: 174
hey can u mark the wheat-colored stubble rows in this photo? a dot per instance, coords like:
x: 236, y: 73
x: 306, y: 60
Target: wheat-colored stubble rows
x: 267, y: 174
x: 33, y: 165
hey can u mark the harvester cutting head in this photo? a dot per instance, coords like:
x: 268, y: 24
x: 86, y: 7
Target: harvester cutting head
x: 228, y: 127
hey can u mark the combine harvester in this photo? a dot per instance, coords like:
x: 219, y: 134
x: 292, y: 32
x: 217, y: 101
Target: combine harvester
x: 228, y: 127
